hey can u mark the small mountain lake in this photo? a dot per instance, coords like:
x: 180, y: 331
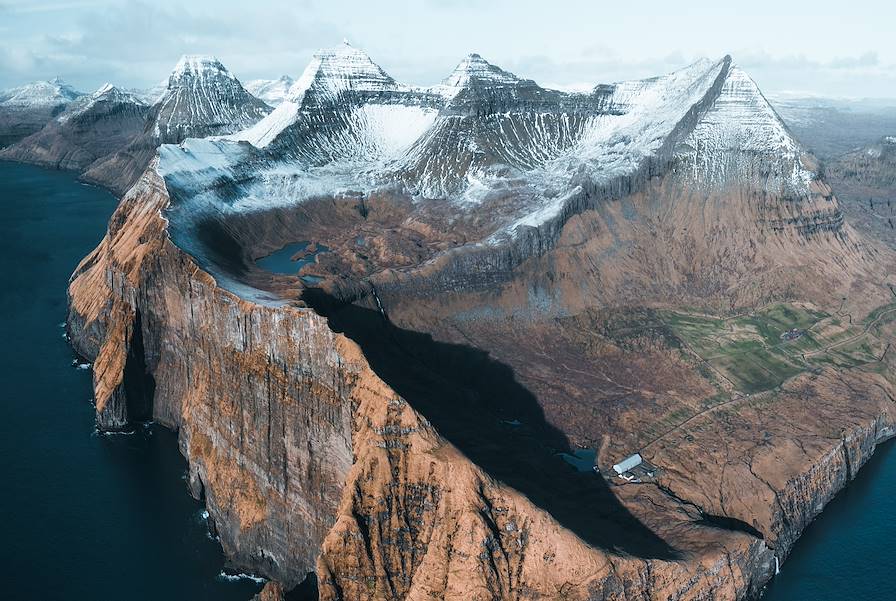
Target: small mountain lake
x: 99, y: 517
x: 291, y: 258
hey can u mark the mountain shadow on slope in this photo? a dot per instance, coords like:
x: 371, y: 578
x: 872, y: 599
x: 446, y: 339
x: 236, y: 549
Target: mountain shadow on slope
x: 476, y: 403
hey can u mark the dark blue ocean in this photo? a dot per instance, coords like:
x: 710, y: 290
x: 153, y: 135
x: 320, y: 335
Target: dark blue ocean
x: 86, y: 516
x: 82, y: 516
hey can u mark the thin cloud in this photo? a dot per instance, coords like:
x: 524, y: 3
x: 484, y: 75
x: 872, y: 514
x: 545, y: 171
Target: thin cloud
x: 136, y: 43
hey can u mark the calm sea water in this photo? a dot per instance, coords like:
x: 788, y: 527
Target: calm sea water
x: 82, y: 516
x: 85, y: 516
x: 849, y: 552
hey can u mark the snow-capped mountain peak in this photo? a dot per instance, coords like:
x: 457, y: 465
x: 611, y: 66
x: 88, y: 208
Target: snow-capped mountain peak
x: 106, y: 88
x: 191, y: 67
x: 203, y: 98
x: 338, y: 69
x: 39, y: 94
x: 742, y: 123
x: 337, y: 78
x: 106, y: 93
x: 475, y: 69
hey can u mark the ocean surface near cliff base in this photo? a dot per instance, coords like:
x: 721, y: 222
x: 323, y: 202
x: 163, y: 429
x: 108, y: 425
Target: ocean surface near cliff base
x: 848, y: 552
x: 85, y: 516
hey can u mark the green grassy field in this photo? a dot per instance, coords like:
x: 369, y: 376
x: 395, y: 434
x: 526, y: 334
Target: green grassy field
x: 748, y: 350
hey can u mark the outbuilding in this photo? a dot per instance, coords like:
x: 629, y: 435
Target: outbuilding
x: 628, y: 463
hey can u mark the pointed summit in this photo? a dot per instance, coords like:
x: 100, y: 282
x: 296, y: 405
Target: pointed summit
x: 338, y: 69
x: 106, y: 88
x: 475, y: 69
x: 741, y: 118
x: 107, y: 91
x: 203, y: 99
x: 197, y: 66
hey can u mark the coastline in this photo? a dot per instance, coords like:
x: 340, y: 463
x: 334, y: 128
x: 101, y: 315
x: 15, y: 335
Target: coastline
x: 109, y: 291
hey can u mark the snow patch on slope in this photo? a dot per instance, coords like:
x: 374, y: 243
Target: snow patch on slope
x: 645, y: 113
x: 266, y: 130
x: 741, y: 122
x: 384, y: 131
x: 272, y: 91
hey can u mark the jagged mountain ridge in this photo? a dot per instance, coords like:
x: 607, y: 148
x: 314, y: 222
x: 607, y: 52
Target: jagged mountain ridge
x: 24, y: 110
x: 202, y: 99
x: 484, y: 134
x: 86, y: 131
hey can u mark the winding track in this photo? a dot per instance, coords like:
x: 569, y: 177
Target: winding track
x: 739, y: 396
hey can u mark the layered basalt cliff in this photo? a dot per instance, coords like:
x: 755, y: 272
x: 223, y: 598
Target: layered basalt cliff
x: 405, y: 416
x: 258, y: 394
x: 309, y: 461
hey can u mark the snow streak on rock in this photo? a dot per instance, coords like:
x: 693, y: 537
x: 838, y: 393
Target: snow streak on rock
x: 203, y: 98
x: 484, y: 133
x: 39, y: 94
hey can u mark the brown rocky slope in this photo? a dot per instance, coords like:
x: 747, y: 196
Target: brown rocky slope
x: 404, y: 428
x: 309, y: 461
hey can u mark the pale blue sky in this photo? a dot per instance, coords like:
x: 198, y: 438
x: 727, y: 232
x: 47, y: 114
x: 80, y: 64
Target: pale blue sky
x: 827, y: 48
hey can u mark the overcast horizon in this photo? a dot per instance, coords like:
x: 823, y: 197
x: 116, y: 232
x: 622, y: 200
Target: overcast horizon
x: 800, y: 50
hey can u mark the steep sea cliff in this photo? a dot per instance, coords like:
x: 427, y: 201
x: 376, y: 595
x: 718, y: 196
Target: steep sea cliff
x: 309, y: 462
x: 87, y: 515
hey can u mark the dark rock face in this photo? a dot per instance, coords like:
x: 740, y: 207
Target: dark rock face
x: 102, y: 123
x: 865, y: 179
x: 203, y: 99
